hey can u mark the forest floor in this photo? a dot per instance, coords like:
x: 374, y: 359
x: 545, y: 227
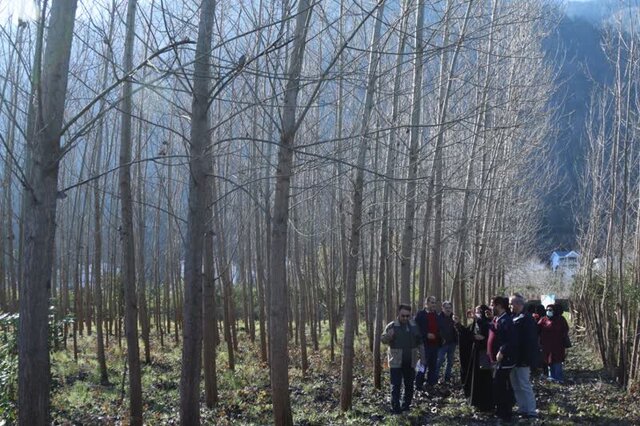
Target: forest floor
x: 587, y: 397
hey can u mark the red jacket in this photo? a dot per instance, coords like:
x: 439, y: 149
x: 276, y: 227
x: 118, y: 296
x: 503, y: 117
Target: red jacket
x: 552, y: 332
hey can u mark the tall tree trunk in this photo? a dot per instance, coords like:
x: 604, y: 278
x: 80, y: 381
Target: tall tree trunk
x: 278, y: 311
x: 97, y: 220
x: 350, y: 323
x: 384, y: 263
x: 414, y: 140
x: 126, y: 235
x: 199, y: 192
x: 39, y: 202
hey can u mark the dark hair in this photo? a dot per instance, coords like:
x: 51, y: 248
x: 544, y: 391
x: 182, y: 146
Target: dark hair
x: 557, y: 310
x: 404, y: 306
x: 483, y: 310
x: 502, y: 301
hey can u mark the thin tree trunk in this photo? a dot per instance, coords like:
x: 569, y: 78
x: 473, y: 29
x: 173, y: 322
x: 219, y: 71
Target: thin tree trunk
x: 414, y: 138
x: 97, y: 221
x: 350, y: 323
x: 126, y: 235
x: 209, y: 317
x: 384, y: 261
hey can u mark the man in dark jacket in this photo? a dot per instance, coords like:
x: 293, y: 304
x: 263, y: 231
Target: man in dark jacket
x: 405, y: 347
x: 526, y: 350
x: 427, y: 321
x: 449, y: 339
x: 500, y: 348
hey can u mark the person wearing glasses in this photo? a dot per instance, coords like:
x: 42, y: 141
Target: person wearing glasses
x: 405, y: 347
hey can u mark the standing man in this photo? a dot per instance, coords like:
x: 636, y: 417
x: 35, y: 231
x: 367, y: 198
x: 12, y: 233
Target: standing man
x: 526, y: 354
x: 500, y: 348
x: 404, y: 340
x: 427, y: 321
x: 449, y: 338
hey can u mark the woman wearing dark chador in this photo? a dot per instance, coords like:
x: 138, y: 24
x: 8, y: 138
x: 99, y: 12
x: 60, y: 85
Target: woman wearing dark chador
x: 476, y: 375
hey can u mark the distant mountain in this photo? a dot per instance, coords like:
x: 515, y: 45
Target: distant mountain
x: 599, y: 12
x: 575, y: 51
x: 594, y: 11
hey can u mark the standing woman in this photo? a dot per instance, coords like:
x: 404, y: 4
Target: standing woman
x: 477, y: 380
x: 554, y: 332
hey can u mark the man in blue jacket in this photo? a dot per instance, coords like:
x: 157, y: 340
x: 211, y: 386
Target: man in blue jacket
x: 527, y: 351
x: 500, y: 348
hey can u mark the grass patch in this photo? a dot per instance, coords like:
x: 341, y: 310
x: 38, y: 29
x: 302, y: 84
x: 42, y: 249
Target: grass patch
x: 588, y: 397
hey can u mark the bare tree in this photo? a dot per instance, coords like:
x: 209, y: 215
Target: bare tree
x: 199, y: 190
x: 40, y: 198
x: 126, y: 233
x: 278, y: 310
x: 350, y: 322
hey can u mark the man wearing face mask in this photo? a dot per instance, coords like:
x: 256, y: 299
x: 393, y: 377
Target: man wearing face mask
x: 553, y: 332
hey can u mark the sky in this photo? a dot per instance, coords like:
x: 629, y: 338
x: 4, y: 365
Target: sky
x: 18, y: 9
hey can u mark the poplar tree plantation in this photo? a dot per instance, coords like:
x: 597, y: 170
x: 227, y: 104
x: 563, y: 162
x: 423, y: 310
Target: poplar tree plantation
x: 210, y: 209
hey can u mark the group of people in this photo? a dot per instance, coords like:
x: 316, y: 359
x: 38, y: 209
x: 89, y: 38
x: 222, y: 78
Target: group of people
x: 503, y: 344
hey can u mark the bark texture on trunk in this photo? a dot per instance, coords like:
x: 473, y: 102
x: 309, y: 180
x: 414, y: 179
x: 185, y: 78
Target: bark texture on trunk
x: 199, y: 192
x: 40, y: 197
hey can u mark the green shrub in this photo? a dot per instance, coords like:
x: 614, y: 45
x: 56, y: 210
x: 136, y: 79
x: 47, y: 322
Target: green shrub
x: 8, y: 366
x: 9, y: 358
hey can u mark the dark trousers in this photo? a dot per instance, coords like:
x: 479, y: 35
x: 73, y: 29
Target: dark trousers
x: 398, y: 375
x: 431, y: 353
x: 503, y: 394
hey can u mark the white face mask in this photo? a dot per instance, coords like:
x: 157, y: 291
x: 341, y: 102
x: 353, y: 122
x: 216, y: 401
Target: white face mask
x: 550, y: 314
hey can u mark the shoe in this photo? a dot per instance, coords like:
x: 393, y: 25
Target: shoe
x: 429, y: 390
x: 527, y: 416
x: 443, y: 392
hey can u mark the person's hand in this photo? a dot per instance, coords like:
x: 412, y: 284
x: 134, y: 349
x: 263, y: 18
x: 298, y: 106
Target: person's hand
x: 431, y: 336
x: 499, y: 357
x: 478, y: 336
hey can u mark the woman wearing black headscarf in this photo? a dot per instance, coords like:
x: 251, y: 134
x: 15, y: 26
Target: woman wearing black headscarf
x: 476, y: 369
